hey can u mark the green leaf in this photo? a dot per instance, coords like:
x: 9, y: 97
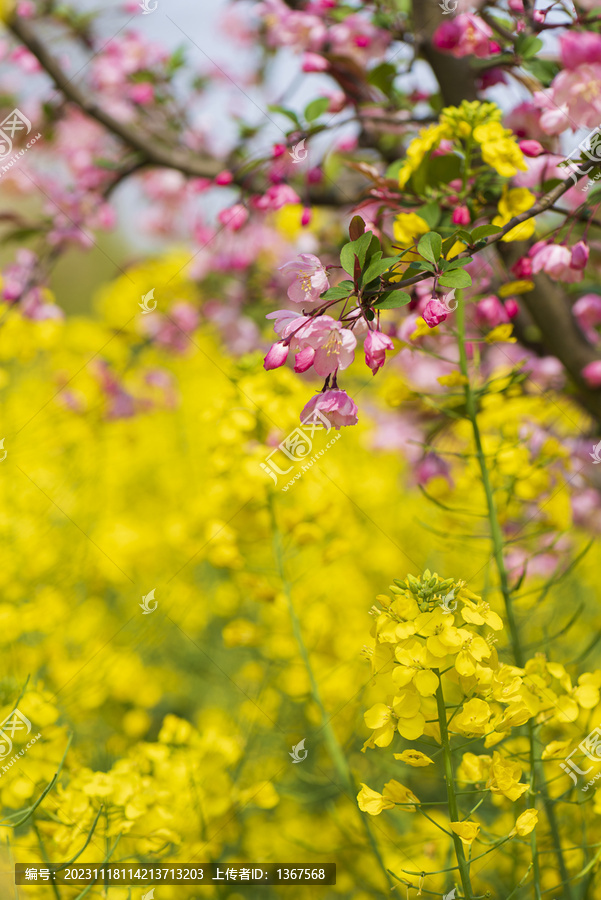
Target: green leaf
x: 430, y: 246
x: 393, y: 169
x: 392, y: 300
x: 315, y: 108
x: 456, y: 278
x: 382, y: 77
x: 483, y: 231
x: 430, y: 213
x: 542, y: 69
x: 355, y: 248
x: 377, y: 267
x: 449, y: 264
x: 528, y: 45
x: 339, y: 291
x: 289, y: 113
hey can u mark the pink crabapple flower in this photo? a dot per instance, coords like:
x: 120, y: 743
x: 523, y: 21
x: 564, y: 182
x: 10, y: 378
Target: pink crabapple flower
x: 490, y: 312
x: 335, y: 405
x: 432, y: 466
x: 224, y: 178
x: 434, y: 313
x: 592, y: 374
x: 512, y: 307
x: 313, y: 62
x: 276, y: 356
x: 578, y: 91
x: 555, y: 260
x: 580, y: 254
x: 587, y: 312
x: 275, y: 197
x: 466, y: 35
x: 522, y: 268
x: 311, y: 278
x: 577, y: 47
x: 461, y: 216
x: 531, y: 148
x: 233, y: 217
x: 334, y: 345
x: 375, y: 345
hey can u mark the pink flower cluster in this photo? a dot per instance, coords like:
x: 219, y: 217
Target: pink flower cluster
x: 466, y: 35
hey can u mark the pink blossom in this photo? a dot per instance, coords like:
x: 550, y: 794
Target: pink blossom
x: 531, y: 148
x: 516, y: 6
x: 512, y: 307
x: 277, y: 196
x: 466, y: 35
x: 335, y: 405
x: 233, y: 217
x: 522, y: 268
x: 587, y: 311
x: 286, y: 320
x: 278, y: 150
x: 375, y: 345
x: 292, y: 28
x: 334, y: 345
x: 357, y: 38
x: 577, y: 47
x: 313, y: 62
x: 432, y: 466
x: 434, y: 313
x: 461, y: 216
x: 490, y: 312
x: 311, y: 279
x: 555, y: 116
x: 142, y: 92
x: 592, y: 373
x: 26, y: 9
x: 224, y: 178
x: 578, y: 91
x: 172, y: 330
x: 276, y: 355
x: 304, y: 359
x: 554, y: 260
x: 580, y: 254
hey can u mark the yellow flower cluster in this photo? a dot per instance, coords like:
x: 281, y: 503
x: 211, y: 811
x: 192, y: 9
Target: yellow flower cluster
x: 471, y: 123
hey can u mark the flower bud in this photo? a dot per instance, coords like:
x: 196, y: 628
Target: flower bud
x: 276, y: 356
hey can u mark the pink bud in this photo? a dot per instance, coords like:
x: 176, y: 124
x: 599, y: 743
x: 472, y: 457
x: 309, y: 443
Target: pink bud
x: 142, y: 93
x: 304, y: 359
x: 233, y: 217
x: 276, y: 356
x: 531, y: 148
x: 580, y: 253
x: 199, y: 185
x: 461, y: 216
x: 278, y: 150
x: 434, y: 313
x: 539, y: 15
x: 224, y: 178
x: 516, y: 6
x: 306, y: 216
x: 512, y: 307
x: 522, y: 268
x: 313, y: 62
x: 315, y: 175
x: 493, y: 47
x: 592, y: 374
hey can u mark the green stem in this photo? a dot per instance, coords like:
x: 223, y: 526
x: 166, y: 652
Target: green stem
x: 537, y: 772
x: 464, y: 870
x: 334, y: 748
